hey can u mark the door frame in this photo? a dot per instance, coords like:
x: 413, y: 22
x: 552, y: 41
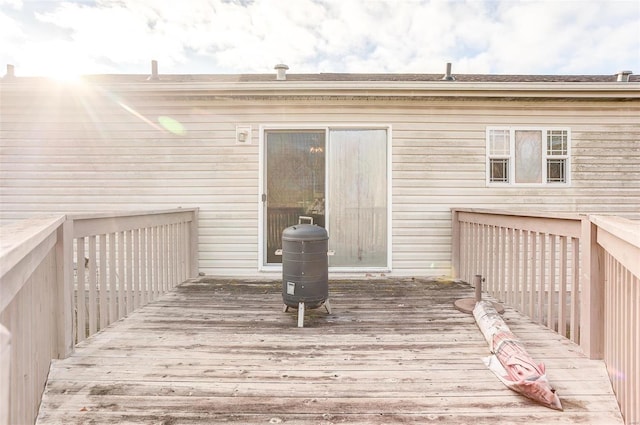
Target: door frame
x: 327, y: 127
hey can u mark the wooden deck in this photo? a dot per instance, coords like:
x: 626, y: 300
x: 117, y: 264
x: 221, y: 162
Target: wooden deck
x: 392, y: 351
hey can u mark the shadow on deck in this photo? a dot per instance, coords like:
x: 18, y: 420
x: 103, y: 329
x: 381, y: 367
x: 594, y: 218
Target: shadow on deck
x: 392, y: 351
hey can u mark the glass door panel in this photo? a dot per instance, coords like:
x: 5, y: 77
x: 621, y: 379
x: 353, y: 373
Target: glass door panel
x: 358, y: 197
x: 295, y: 177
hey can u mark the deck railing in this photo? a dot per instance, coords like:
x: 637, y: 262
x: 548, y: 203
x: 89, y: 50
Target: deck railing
x: 64, y: 278
x: 576, y: 274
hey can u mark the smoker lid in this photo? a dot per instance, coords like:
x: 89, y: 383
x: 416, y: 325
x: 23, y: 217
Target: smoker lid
x: 304, y: 232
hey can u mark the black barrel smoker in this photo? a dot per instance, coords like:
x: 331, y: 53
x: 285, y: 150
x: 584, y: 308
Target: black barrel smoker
x: 305, y: 268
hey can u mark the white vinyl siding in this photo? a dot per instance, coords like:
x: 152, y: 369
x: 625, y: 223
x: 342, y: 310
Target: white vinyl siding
x: 82, y: 151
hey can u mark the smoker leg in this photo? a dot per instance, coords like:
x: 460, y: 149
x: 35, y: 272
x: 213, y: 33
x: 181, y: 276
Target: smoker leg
x: 301, y: 314
x: 327, y: 306
x: 286, y: 308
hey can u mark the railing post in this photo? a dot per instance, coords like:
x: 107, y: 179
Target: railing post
x: 64, y: 255
x: 5, y: 377
x: 477, y: 284
x: 591, y: 292
x: 193, y: 245
x: 455, y: 244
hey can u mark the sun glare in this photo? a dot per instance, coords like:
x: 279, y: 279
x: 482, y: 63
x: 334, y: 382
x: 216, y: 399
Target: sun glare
x: 66, y: 78
x: 64, y: 74
x: 60, y: 62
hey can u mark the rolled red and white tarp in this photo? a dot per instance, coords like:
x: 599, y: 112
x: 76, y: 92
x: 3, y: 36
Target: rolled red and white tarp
x: 510, y: 361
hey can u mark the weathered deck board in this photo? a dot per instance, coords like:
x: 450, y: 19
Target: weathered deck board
x: 393, y: 351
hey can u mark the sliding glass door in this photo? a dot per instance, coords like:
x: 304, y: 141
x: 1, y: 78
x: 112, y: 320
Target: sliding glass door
x: 352, y: 163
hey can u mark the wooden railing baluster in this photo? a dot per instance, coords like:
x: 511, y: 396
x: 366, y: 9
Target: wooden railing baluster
x: 562, y: 293
x: 136, y: 268
x: 551, y: 307
x: 80, y: 292
x: 102, y: 278
x: 575, y: 290
x: 121, y: 275
x: 113, y: 289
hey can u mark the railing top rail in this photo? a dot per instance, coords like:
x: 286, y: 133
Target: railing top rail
x: 568, y: 225
x: 101, y: 223
x: 21, y: 237
x: 131, y: 213
x: 547, y: 214
x: 623, y: 228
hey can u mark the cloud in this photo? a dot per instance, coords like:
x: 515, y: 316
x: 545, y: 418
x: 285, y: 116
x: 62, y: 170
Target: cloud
x: 15, y: 4
x: 236, y: 36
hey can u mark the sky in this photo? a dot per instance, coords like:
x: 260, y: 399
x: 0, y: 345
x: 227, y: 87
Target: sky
x: 70, y: 38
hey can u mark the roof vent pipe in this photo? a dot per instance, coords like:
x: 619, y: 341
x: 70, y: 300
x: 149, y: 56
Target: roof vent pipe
x: 10, y: 72
x: 154, y: 71
x: 282, y: 71
x: 448, y: 76
x: 623, y: 76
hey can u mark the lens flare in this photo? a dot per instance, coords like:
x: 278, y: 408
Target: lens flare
x: 172, y: 125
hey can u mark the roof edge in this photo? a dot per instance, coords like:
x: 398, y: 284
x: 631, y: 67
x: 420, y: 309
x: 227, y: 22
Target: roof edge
x: 347, y: 88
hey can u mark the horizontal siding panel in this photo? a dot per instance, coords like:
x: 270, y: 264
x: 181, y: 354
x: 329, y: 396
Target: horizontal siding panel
x: 429, y: 241
x: 106, y: 135
x: 237, y: 157
x: 101, y: 167
x: 219, y: 137
x: 400, y: 175
x: 35, y: 205
x: 243, y: 240
x: 227, y: 255
x: 444, y: 158
x: 429, y: 139
x: 246, y: 234
x: 241, y: 178
x: 450, y: 150
x: 619, y: 170
x: 437, y: 192
x: 132, y: 151
x: 224, y: 192
x: 143, y: 180
x: 243, y: 246
x: 621, y: 137
x: 432, y: 182
x: 412, y: 256
x: 608, y: 157
x: 435, y: 219
x: 436, y: 166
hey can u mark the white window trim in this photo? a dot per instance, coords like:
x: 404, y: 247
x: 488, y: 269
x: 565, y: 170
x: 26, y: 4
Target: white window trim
x: 543, y: 164
x: 262, y: 187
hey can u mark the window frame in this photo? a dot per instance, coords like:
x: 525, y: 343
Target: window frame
x: 510, y: 157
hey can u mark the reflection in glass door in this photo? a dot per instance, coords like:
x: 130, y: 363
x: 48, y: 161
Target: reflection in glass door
x: 295, y: 179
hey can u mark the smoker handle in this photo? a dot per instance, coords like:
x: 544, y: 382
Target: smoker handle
x: 304, y: 217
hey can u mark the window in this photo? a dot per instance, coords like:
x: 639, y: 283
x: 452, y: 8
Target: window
x: 557, y: 156
x: 527, y: 156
